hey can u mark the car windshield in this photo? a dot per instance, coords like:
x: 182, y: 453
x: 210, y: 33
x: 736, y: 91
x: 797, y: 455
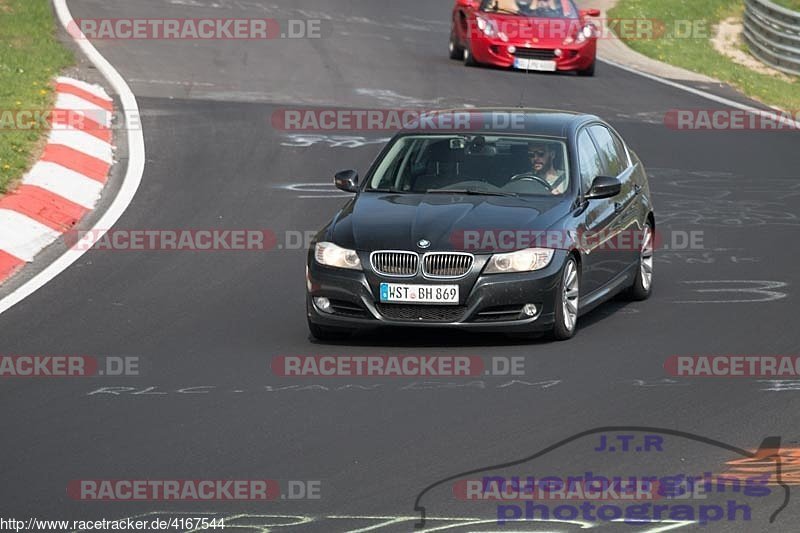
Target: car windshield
x: 532, y: 8
x: 473, y: 164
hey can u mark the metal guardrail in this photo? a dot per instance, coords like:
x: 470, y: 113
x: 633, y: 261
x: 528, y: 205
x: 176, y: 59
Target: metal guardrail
x: 773, y: 34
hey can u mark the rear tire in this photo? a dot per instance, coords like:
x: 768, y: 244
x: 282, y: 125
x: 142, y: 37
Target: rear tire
x: 643, y: 282
x: 566, y: 301
x: 456, y: 52
x: 324, y: 333
x: 588, y: 72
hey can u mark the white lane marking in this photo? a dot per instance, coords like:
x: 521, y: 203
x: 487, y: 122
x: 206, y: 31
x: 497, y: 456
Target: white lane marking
x: 82, y: 142
x: 332, y: 192
x: 96, y: 90
x: 659, y: 383
x: 701, y: 93
x: 62, y: 181
x: 168, y: 82
x: 665, y: 525
x: 334, y: 196
x: 390, y: 97
x: 310, y: 187
x: 494, y: 521
x: 23, y: 237
x: 79, y: 105
x: 780, y: 385
x: 130, y: 183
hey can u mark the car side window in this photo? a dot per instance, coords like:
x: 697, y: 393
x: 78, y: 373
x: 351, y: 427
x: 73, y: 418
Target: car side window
x: 611, y: 150
x: 399, y: 173
x: 588, y: 161
x: 621, y: 149
x: 410, y: 166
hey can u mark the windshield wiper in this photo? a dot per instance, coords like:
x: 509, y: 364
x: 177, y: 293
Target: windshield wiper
x: 477, y: 192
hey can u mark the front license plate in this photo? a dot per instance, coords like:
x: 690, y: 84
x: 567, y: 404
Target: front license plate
x: 534, y: 64
x: 421, y: 294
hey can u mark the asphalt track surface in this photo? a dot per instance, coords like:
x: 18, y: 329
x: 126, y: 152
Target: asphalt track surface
x: 215, y: 320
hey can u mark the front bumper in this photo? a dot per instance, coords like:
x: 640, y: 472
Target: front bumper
x: 495, y: 52
x: 487, y: 302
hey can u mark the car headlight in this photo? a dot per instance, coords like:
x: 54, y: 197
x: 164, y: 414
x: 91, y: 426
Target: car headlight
x: 328, y: 254
x: 587, y: 32
x: 487, y: 27
x: 526, y: 260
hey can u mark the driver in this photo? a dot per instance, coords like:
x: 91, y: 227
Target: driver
x: 542, y: 156
x: 540, y: 8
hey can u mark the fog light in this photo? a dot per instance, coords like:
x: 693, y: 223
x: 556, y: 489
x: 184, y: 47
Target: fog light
x: 323, y: 304
x: 512, y: 49
x: 557, y: 52
x: 529, y: 310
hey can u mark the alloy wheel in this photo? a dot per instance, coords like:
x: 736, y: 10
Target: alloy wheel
x: 646, y: 262
x: 569, y: 295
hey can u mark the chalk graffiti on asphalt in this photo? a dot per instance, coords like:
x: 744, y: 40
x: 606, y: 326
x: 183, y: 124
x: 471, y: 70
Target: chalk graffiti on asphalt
x: 328, y: 387
x: 734, y: 291
x: 333, y: 141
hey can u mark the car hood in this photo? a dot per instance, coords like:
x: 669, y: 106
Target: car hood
x: 534, y: 31
x: 381, y: 221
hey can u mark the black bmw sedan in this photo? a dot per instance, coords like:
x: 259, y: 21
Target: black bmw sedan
x: 518, y: 228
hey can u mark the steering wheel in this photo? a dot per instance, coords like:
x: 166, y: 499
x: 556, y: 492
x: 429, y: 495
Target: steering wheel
x: 530, y: 176
x: 468, y: 181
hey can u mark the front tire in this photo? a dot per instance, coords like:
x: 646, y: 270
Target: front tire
x: 469, y: 59
x: 588, y: 72
x: 456, y: 52
x: 566, y: 301
x: 643, y: 282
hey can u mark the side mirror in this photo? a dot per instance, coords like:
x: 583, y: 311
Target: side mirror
x: 603, y: 187
x: 346, y: 180
x: 590, y: 12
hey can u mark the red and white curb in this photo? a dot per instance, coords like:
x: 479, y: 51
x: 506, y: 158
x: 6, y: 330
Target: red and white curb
x: 65, y: 183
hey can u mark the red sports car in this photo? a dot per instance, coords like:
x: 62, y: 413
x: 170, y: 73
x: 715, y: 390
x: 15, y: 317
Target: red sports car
x: 544, y: 35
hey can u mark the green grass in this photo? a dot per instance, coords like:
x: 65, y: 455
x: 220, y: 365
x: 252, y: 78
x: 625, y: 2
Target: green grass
x: 791, y: 4
x: 30, y: 55
x: 698, y: 54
